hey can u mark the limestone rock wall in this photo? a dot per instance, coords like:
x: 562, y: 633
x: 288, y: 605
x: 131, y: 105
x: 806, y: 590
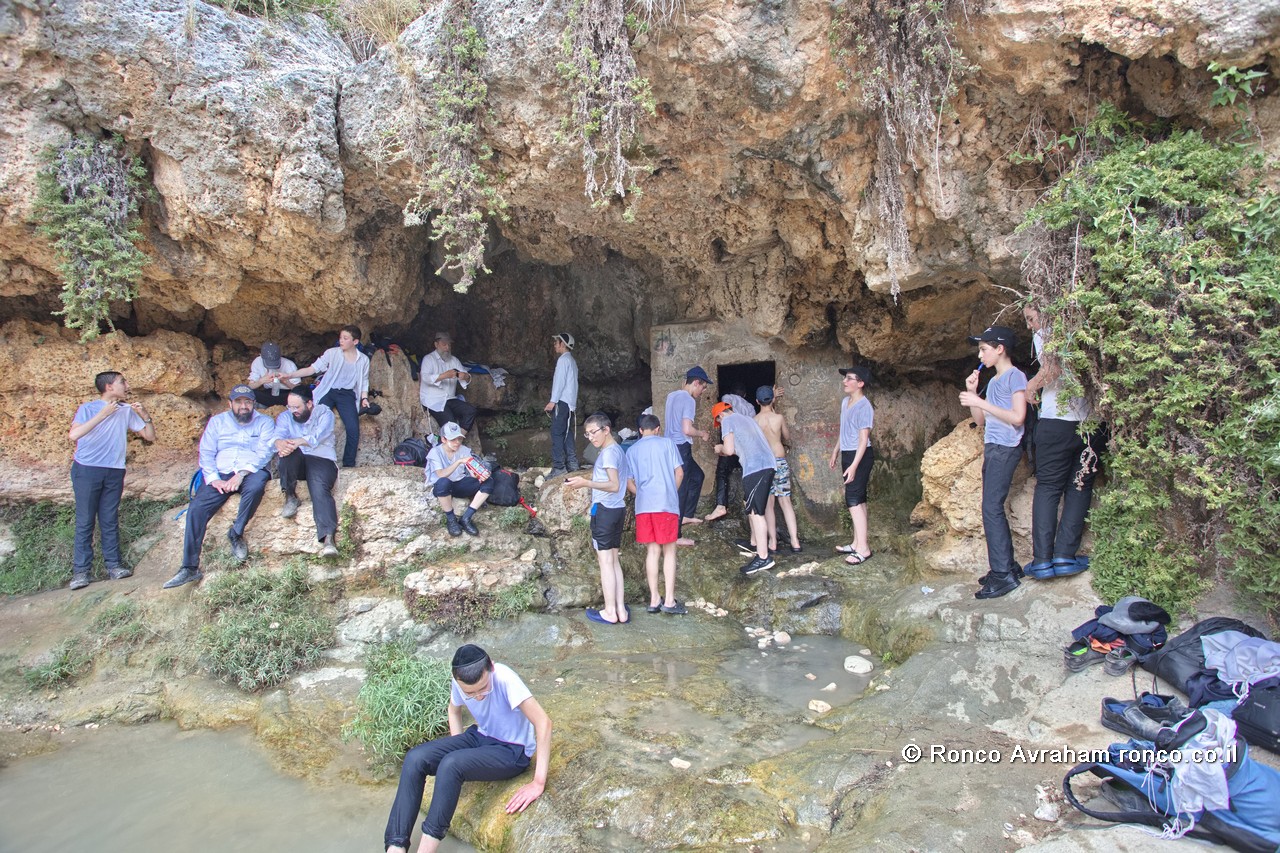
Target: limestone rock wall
x: 276, y: 208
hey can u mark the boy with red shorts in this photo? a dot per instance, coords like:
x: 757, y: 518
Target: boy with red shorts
x: 656, y: 472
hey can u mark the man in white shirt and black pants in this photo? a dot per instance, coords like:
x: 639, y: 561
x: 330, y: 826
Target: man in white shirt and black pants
x: 563, y: 405
x: 441, y: 374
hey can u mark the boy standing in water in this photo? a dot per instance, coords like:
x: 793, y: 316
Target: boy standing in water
x: 608, y: 485
x: 510, y: 728
x: 1001, y: 415
x: 656, y: 472
x: 774, y: 427
x: 853, y: 451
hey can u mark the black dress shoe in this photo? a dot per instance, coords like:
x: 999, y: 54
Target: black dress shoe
x: 451, y: 522
x: 990, y: 590
x: 239, y: 549
x: 1018, y: 574
x: 184, y: 575
x: 470, y: 526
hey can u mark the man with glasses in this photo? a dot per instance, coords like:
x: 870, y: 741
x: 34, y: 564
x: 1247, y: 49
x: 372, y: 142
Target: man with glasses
x: 510, y: 728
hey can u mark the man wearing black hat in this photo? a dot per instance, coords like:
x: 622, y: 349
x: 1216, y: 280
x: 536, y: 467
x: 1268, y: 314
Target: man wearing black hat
x: 564, y: 402
x: 510, y: 729
x: 235, y: 451
x: 681, y: 408
x: 440, y: 375
x: 1001, y: 415
x: 269, y: 389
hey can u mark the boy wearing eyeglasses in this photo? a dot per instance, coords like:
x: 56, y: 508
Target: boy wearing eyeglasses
x: 608, y: 485
x: 510, y: 728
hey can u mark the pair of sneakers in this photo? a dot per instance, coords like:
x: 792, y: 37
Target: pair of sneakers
x: 79, y: 580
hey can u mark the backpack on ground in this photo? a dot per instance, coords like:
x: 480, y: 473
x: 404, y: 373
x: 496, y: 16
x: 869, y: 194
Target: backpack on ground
x: 1142, y: 793
x: 1258, y: 718
x: 411, y: 451
x: 506, y: 488
x: 1181, y: 659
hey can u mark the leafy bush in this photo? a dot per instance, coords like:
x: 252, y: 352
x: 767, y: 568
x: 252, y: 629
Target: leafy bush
x: 45, y: 535
x: 1156, y: 268
x: 404, y: 701
x: 263, y: 626
x: 87, y: 196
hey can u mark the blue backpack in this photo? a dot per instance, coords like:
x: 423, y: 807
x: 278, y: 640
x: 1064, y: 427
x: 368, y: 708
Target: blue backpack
x: 1143, y: 795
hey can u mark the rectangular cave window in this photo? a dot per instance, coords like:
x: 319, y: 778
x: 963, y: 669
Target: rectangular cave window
x: 744, y: 379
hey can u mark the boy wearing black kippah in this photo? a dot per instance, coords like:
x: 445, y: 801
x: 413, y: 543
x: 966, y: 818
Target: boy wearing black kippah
x: 510, y: 728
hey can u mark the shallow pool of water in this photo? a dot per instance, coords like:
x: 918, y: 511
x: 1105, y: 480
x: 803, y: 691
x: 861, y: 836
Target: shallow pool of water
x: 145, y: 788
x: 782, y: 672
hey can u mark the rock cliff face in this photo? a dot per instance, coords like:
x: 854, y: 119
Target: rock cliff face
x: 273, y: 216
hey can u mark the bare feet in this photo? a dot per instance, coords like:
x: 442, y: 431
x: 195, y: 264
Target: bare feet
x: 693, y: 521
x: 685, y: 541
x: 718, y: 512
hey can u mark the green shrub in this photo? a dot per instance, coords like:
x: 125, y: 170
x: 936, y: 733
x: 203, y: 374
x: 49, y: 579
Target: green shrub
x: 1156, y: 269
x: 278, y: 8
x: 87, y: 196
x: 263, y: 626
x: 121, y: 623
x: 45, y: 537
x: 404, y: 701
x: 70, y: 658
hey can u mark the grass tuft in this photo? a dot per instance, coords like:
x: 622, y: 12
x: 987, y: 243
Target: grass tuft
x: 404, y: 701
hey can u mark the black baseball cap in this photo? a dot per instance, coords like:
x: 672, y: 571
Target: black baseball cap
x: 271, y: 355
x: 859, y: 371
x: 996, y: 335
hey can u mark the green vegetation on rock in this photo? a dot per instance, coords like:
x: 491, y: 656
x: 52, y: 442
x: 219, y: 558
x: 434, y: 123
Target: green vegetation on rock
x: 404, y: 701
x: 45, y: 537
x: 118, y: 625
x: 263, y: 626
x: 88, y: 192
x: 462, y: 611
x: 1157, y: 268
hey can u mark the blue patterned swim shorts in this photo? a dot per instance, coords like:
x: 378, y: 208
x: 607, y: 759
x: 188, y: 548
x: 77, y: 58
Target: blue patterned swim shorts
x: 781, y: 487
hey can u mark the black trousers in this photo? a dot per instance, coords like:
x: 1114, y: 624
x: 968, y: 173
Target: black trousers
x: 725, y: 466
x: 691, y: 486
x: 563, y: 428
x: 206, y: 504
x: 343, y: 401
x: 458, y: 411
x: 998, y: 465
x: 1061, y: 482
x: 97, y: 492
x: 267, y: 400
x: 320, y: 474
x: 468, y: 757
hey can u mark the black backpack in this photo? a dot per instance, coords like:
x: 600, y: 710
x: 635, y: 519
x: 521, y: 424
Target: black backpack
x: 1258, y: 718
x: 411, y: 451
x: 1181, y: 659
x: 506, y: 488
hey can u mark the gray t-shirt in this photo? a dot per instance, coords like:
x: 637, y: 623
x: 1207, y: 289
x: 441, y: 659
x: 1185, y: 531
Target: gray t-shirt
x: 680, y: 405
x: 854, y: 418
x: 749, y: 443
x: 611, y: 456
x: 104, y: 445
x: 653, y: 461
x: 1000, y: 391
x: 498, y: 714
x: 438, y: 459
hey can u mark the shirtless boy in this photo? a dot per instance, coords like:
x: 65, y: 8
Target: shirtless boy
x: 774, y: 427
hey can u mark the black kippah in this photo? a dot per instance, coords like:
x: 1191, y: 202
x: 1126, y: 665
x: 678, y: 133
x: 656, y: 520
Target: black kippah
x: 468, y: 655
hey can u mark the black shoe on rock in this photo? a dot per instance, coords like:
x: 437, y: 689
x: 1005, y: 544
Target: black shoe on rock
x: 470, y: 526
x: 119, y: 573
x: 330, y: 548
x: 290, y: 508
x: 239, y: 549
x: 451, y: 522
x: 1017, y: 573
x: 995, y: 590
x: 79, y: 580
x: 184, y: 576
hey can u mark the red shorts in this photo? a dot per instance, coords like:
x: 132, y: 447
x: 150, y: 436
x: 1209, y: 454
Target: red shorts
x: 659, y: 527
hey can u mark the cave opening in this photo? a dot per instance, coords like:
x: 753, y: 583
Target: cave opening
x: 743, y: 379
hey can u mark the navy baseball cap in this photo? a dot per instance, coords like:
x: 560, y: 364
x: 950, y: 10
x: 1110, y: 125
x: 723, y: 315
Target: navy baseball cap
x: 764, y: 394
x: 240, y: 392
x: 996, y: 335
x: 271, y: 356
x: 697, y: 372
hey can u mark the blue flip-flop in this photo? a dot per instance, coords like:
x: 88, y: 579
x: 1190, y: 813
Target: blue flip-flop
x: 594, y: 616
x: 1067, y: 566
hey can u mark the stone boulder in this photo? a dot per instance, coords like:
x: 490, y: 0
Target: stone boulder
x: 559, y: 505
x: 951, y: 509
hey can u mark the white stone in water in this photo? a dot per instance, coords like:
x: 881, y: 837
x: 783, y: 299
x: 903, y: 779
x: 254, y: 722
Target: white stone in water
x: 857, y: 665
x: 762, y: 643
x: 830, y: 688
x: 864, y: 651
x: 720, y: 611
x: 528, y: 556
x: 818, y: 706
x: 811, y: 676
x: 680, y: 764
x: 748, y: 629
x: 781, y: 637
x: 538, y: 481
